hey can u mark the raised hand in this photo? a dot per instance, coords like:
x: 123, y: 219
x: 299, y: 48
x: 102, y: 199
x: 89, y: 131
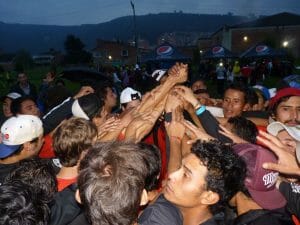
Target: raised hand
x: 84, y: 90
x: 287, y: 162
x: 187, y: 94
x: 175, y: 129
x: 195, y: 133
x: 236, y: 139
x: 178, y: 73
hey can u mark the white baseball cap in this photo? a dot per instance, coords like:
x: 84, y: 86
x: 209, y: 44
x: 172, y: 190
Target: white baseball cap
x: 11, y: 95
x: 18, y: 130
x: 294, y: 131
x: 129, y: 94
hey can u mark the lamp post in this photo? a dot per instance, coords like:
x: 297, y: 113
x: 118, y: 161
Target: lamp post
x: 135, y: 33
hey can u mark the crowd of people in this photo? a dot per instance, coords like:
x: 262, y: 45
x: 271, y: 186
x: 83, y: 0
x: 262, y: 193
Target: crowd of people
x: 169, y: 155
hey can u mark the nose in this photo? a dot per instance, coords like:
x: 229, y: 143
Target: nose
x: 294, y: 114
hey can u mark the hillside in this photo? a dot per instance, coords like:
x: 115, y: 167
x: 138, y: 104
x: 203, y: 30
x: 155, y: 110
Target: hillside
x: 39, y: 38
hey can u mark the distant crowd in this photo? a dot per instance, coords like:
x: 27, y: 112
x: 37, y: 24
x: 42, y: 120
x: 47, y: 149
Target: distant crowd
x: 151, y: 148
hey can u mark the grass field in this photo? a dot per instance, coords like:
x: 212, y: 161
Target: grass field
x: 35, y: 76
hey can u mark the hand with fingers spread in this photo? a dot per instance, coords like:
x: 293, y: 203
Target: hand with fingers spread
x: 287, y: 162
x: 127, y: 116
x: 110, y: 125
x: 172, y: 102
x: 235, y: 139
x: 195, y: 133
x: 188, y: 95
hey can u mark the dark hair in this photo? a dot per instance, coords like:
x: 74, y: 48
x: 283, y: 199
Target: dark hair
x: 71, y: 138
x: 21, y: 206
x: 111, y: 180
x: 101, y: 89
x: 15, y: 106
x: 239, y: 87
x: 91, y: 104
x: 252, y: 97
x: 38, y: 175
x: 55, y: 95
x: 244, y: 128
x: 198, y: 79
x: 226, y: 170
x: 154, y: 165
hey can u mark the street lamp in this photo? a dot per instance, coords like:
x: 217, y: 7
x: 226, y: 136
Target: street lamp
x: 245, y: 38
x: 285, y: 44
x: 110, y: 57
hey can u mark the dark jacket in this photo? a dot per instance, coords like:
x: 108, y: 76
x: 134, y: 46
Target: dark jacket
x: 57, y: 114
x: 263, y: 217
x: 291, y: 191
x: 161, y: 212
x: 211, y: 126
x: 64, y: 208
x: 18, y: 89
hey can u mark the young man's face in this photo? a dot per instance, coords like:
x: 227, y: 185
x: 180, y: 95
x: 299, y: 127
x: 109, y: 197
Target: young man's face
x: 185, y: 186
x: 132, y: 104
x: 22, y: 79
x: 111, y: 98
x: 234, y: 103
x: 28, y: 107
x: 288, y: 112
x: 35, y: 147
x: 198, y: 85
x: 6, y: 107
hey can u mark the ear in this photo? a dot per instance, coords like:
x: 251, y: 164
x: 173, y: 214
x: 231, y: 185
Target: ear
x: 255, y: 107
x: 246, y: 107
x: 26, y: 146
x: 77, y: 196
x: 144, y: 198
x: 266, y: 104
x: 209, y: 198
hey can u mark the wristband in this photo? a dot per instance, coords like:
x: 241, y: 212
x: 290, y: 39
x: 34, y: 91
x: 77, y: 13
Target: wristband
x: 197, y: 106
x: 200, y: 110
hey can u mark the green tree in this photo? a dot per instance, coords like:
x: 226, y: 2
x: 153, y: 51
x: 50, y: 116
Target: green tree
x: 75, y: 51
x: 22, y: 60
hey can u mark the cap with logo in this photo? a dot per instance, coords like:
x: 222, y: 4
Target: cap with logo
x: 260, y: 183
x: 18, y: 130
x: 129, y: 94
x: 158, y: 74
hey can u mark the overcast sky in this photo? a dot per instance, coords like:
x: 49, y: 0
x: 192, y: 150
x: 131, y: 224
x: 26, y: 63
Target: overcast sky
x: 76, y: 12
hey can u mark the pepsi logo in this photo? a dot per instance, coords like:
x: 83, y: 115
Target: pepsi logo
x: 261, y: 48
x: 164, y: 50
x: 218, y: 50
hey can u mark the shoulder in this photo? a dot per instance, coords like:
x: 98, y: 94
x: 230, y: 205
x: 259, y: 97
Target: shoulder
x: 161, y: 212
